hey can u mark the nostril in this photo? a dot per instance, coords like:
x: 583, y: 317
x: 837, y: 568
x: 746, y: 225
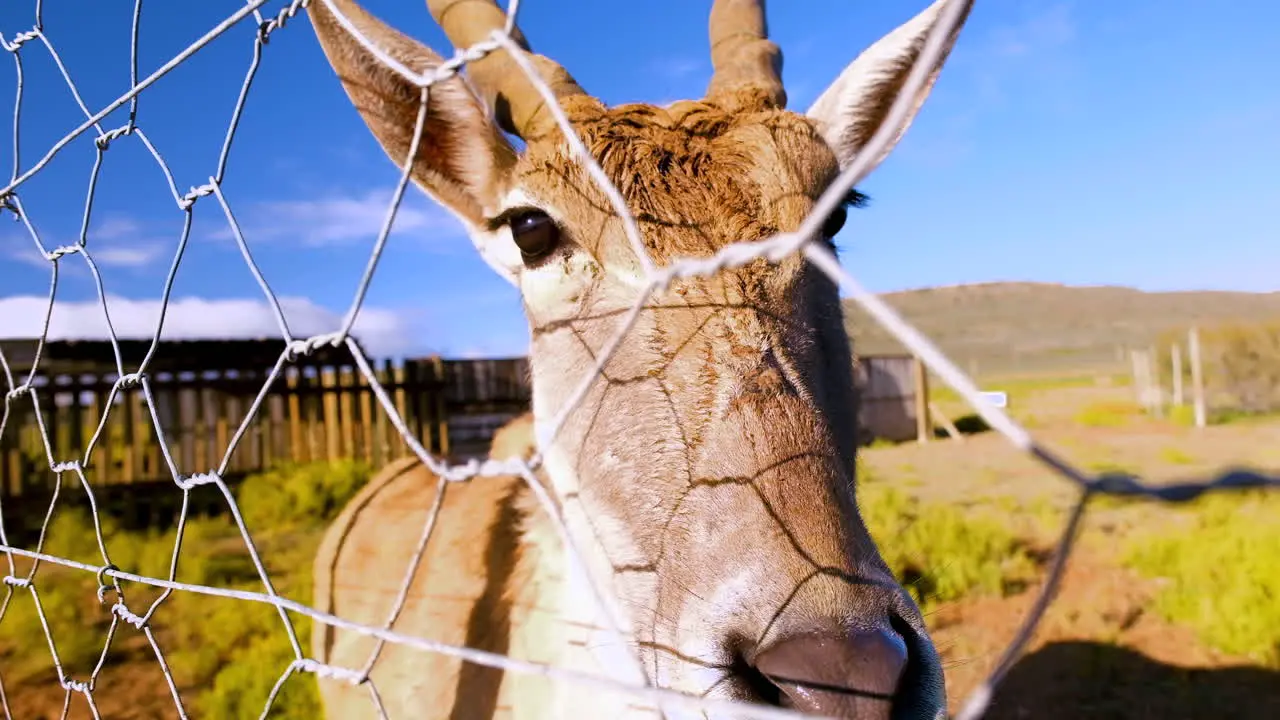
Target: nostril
x: 853, y: 674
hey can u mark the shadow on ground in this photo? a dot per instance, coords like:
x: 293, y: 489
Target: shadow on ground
x: 1094, y: 680
x: 971, y: 424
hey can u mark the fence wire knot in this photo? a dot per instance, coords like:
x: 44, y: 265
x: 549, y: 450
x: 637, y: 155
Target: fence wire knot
x: 331, y: 671
x: 302, y: 348
x: 129, y: 380
x: 103, y: 141
x: 20, y: 39
x: 195, y: 193
x: 267, y: 27
x: 65, y: 466
x: 123, y: 612
x: 187, y: 482
x: 77, y: 685
x: 17, y: 582
x: 58, y: 252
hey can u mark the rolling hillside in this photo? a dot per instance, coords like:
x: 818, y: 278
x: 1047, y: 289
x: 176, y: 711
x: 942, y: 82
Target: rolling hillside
x: 999, y: 328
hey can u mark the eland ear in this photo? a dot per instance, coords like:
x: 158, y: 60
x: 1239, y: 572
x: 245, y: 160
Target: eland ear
x: 856, y: 105
x: 462, y: 158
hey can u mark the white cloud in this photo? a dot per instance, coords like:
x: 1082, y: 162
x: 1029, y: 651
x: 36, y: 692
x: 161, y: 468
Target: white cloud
x: 1049, y: 28
x: 381, y: 332
x: 116, y: 241
x: 116, y: 226
x: 1030, y: 59
x: 30, y: 256
x: 104, y: 255
x: 138, y: 256
x: 676, y: 68
x: 339, y: 219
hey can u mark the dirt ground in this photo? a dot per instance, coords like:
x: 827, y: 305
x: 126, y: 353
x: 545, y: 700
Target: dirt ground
x: 1100, y: 652
x: 131, y: 686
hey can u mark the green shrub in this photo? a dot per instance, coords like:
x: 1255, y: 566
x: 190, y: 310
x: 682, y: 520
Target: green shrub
x: 1221, y: 572
x: 941, y: 551
x: 309, y: 494
x: 235, y: 651
x: 241, y: 690
x: 225, y: 654
x: 79, y: 632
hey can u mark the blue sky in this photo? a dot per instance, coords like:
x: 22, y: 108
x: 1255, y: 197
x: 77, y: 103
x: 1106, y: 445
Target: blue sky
x: 1074, y: 142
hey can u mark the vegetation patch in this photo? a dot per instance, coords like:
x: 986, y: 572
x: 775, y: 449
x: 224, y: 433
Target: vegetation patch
x: 1176, y: 456
x: 225, y: 655
x: 1218, y: 571
x: 1111, y: 414
x: 943, y: 552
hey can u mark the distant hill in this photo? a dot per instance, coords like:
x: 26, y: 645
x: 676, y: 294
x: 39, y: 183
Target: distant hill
x: 995, y: 328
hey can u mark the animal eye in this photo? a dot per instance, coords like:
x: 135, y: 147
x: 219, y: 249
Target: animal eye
x: 834, y: 222
x: 535, y: 234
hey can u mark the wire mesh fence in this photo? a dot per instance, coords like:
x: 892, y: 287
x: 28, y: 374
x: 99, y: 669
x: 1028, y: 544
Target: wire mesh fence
x: 27, y: 587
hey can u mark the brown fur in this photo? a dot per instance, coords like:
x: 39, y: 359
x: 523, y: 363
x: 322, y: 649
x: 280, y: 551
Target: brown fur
x: 696, y: 179
x: 483, y: 572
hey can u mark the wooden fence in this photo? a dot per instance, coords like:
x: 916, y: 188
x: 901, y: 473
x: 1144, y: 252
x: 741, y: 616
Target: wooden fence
x: 319, y: 409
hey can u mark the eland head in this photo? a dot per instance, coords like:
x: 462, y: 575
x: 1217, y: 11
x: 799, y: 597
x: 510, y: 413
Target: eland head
x: 707, y: 473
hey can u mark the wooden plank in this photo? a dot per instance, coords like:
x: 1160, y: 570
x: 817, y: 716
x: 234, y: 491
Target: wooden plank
x: 186, y: 427
x: 202, y: 430
x: 381, y: 426
x: 144, y: 438
x: 329, y: 419
x: 220, y: 412
x: 165, y: 425
x: 280, y: 451
x: 346, y: 412
x: 440, y: 408
x: 921, y: 396
x: 313, y: 401
x: 154, y: 416
x: 368, y: 451
x: 399, y: 376
x: 114, y: 435
x: 58, y: 421
x: 100, y: 460
x: 296, y: 447
x: 424, y: 403
x: 77, y: 420
x: 135, y: 437
x: 412, y: 415
x: 248, y: 457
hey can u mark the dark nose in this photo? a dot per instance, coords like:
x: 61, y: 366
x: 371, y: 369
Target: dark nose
x: 845, y: 675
